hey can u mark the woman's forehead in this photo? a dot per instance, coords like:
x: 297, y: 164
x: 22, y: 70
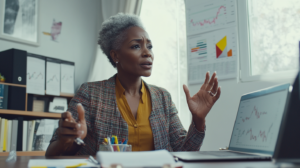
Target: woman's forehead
x: 136, y: 33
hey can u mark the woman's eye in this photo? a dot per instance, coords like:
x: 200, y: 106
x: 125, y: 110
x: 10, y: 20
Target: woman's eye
x: 150, y: 47
x: 135, y: 47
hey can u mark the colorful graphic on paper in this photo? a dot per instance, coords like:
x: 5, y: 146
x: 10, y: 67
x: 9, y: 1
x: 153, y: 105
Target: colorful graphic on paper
x: 221, y: 49
x: 55, y: 30
x: 200, y: 50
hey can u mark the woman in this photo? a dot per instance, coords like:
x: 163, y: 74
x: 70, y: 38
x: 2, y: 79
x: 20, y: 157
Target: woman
x: 126, y: 106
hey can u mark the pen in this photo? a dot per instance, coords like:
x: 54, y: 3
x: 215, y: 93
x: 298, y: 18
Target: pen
x: 78, y: 165
x: 109, y: 143
x: 91, y: 159
x: 116, y: 142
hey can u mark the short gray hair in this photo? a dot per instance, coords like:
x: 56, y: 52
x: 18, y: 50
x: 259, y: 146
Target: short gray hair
x: 111, y: 34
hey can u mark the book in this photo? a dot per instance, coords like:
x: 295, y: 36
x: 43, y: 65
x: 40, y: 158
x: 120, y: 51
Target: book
x: 37, y: 123
x: 31, y: 127
x: 2, y: 134
x: 3, y: 96
x: 14, y: 135
x: 24, y: 138
x: 9, y: 133
x: 5, y: 135
x: 20, y: 134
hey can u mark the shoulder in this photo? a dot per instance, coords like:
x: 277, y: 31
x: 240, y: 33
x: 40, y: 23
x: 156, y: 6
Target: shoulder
x: 159, y: 92
x: 93, y: 86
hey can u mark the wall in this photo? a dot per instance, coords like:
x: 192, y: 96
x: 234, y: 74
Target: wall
x: 78, y: 38
x: 221, y: 118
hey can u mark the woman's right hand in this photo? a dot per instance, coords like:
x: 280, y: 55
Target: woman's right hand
x: 69, y: 129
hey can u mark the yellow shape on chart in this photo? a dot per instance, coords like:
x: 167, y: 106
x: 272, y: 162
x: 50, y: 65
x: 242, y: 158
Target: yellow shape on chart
x: 222, y: 43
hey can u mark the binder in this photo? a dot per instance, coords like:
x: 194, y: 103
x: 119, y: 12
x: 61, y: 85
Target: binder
x: 13, y: 64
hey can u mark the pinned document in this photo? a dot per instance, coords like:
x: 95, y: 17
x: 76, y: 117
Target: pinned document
x: 53, y: 78
x: 67, y: 78
x: 35, y: 83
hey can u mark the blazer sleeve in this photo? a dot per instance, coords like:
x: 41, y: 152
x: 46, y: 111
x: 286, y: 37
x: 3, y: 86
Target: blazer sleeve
x: 180, y: 139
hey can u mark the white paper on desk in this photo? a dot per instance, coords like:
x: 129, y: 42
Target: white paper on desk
x: 35, y: 83
x: 53, y: 79
x: 136, y: 159
x: 67, y: 78
x: 60, y: 162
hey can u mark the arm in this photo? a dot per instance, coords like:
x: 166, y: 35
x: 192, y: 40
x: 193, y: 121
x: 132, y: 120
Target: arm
x: 73, y: 124
x: 180, y: 139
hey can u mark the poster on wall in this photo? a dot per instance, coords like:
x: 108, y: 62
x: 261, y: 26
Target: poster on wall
x: 211, y: 39
x: 19, y: 21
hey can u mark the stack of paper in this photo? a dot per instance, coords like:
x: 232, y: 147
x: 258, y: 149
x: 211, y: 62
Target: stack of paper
x: 58, y: 163
x: 136, y: 159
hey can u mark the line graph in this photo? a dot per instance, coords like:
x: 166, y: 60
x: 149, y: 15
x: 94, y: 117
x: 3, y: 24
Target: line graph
x: 53, y: 79
x: 207, y: 21
x: 67, y: 77
x: 31, y: 75
x: 208, y: 15
x: 256, y: 113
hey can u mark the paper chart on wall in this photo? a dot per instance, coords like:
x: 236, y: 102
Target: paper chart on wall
x: 53, y: 79
x: 208, y: 15
x: 67, y: 78
x: 214, y: 51
x: 35, y: 83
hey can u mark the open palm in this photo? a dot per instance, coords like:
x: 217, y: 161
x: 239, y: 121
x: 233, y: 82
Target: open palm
x: 201, y: 103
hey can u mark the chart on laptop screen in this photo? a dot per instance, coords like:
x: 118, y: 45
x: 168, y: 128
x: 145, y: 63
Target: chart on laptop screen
x: 258, y: 121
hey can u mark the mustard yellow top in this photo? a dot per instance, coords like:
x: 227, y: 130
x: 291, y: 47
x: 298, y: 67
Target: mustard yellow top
x: 140, y: 134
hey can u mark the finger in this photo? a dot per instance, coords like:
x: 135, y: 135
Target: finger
x: 211, y: 82
x: 218, y: 94
x: 66, y: 115
x: 187, y: 92
x: 206, y: 81
x: 71, y: 125
x: 215, y: 87
x: 68, y: 131
x: 80, y: 111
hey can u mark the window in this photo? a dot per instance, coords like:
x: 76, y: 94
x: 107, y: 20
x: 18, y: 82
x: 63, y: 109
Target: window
x: 165, y: 23
x: 269, y: 38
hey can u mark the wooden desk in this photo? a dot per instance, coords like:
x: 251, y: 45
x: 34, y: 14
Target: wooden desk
x: 22, y: 162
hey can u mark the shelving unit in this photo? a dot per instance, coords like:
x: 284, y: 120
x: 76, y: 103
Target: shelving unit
x: 30, y: 114
x: 32, y: 153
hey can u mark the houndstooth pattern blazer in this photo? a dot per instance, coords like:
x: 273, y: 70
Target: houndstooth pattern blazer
x: 104, y: 119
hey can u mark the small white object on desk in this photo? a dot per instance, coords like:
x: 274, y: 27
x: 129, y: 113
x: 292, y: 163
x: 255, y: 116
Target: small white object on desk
x: 157, y: 158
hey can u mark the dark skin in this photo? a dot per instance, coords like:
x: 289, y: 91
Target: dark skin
x: 134, y: 59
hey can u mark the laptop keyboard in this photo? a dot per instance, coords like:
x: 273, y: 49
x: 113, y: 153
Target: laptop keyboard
x: 223, y: 153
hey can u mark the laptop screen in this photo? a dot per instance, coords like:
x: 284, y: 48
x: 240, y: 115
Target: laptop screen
x: 258, y: 120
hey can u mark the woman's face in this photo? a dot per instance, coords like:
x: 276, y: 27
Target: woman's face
x: 135, y: 56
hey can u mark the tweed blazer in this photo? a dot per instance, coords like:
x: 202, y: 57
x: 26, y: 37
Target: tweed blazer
x: 104, y: 119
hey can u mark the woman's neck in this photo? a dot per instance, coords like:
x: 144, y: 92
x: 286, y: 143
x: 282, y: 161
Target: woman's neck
x: 132, y: 84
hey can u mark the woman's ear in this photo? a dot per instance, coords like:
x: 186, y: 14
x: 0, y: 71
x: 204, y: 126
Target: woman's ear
x: 114, y: 55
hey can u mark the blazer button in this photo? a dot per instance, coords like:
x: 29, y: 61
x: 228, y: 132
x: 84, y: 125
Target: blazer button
x: 135, y: 125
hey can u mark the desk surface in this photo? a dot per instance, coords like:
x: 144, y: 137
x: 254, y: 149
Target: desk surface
x: 22, y: 162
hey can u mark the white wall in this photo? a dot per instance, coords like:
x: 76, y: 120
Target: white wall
x: 220, y: 120
x: 78, y: 38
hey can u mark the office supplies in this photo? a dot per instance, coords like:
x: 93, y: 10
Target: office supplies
x: 122, y: 147
x: 256, y: 128
x: 125, y: 142
x: 109, y: 143
x: 60, y: 163
x: 288, y: 147
x: 91, y: 159
x: 58, y: 105
x: 156, y: 158
x: 116, y: 142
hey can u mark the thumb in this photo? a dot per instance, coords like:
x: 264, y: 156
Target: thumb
x: 80, y: 111
x: 187, y: 92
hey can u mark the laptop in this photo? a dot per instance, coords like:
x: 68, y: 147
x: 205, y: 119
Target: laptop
x: 255, y: 130
x: 288, y: 144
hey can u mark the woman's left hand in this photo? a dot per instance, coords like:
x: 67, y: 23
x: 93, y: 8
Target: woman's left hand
x: 201, y: 103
